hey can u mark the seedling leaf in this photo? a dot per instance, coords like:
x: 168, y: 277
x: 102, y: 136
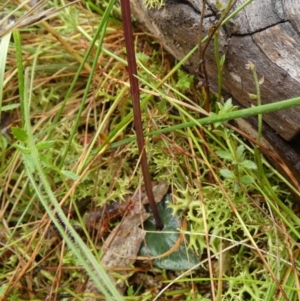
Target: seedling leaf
x: 42, y: 145
x: 248, y: 164
x: 22, y: 149
x: 247, y: 180
x: 69, y: 174
x: 226, y: 173
x: 224, y: 154
x: 252, y: 96
x: 10, y: 107
x: 19, y: 134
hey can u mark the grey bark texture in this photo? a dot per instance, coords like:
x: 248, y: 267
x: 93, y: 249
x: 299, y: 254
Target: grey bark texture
x: 266, y: 32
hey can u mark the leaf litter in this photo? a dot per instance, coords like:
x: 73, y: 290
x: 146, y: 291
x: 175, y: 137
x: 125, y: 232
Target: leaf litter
x: 121, y: 247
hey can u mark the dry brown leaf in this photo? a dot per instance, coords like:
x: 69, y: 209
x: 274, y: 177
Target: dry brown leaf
x: 120, y: 250
x: 123, y: 244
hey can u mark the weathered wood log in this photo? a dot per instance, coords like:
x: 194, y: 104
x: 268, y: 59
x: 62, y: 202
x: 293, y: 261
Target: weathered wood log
x: 267, y: 33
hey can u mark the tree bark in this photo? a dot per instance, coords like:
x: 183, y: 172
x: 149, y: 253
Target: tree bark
x: 267, y: 33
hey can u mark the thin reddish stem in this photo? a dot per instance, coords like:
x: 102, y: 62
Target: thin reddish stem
x: 135, y: 94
